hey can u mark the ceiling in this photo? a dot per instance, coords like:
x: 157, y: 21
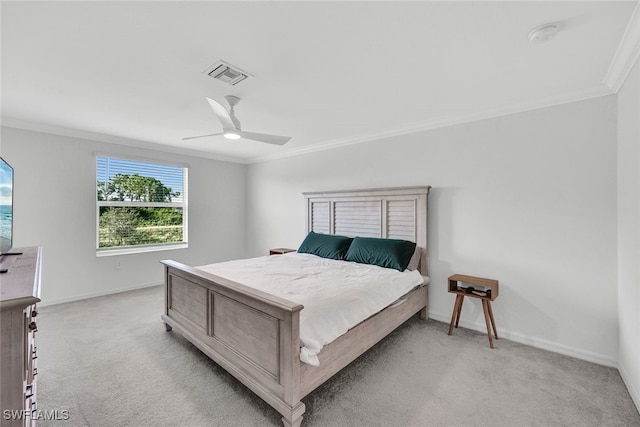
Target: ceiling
x: 324, y: 73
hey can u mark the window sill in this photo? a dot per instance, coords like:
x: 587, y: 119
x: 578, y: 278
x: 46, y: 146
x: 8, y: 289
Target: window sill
x: 140, y: 249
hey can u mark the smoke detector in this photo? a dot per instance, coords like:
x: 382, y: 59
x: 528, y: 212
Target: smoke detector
x: 543, y: 33
x: 227, y: 73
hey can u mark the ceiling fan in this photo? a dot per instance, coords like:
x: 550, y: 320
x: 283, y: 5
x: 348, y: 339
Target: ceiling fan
x: 231, y: 125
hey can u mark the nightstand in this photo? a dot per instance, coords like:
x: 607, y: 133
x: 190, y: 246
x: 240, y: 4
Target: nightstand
x: 280, y: 251
x: 484, y: 289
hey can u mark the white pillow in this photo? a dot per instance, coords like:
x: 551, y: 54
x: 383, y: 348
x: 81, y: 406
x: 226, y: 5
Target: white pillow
x: 415, y: 259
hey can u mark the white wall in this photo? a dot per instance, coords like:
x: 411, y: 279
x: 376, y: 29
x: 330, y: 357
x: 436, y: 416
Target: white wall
x: 528, y: 199
x: 629, y: 232
x: 54, y: 207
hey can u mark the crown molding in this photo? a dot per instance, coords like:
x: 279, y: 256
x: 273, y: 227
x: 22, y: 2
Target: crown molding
x: 11, y: 122
x: 440, y: 122
x: 435, y: 123
x: 626, y: 55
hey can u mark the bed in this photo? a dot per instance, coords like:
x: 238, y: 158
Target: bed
x: 256, y: 335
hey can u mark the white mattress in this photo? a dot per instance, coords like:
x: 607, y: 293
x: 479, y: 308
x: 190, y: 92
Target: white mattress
x: 337, y: 295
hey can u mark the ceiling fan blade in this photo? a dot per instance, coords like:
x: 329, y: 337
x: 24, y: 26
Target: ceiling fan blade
x: 223, y: 114
x: 201, y: 136
x: 263, y: 137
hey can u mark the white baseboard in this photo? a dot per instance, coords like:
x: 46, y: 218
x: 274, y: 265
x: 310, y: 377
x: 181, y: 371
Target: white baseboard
x: 631, y: 387
x: 47, y: 302
x: 532, y: 341
x: 535, y: 342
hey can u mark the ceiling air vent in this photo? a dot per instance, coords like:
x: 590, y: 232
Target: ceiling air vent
x: 227, y: 73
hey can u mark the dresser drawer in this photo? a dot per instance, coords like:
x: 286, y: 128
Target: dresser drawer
x: 30, y: 349
x: 30, y: 405
x: 32, y: 364
x: 19, y: 352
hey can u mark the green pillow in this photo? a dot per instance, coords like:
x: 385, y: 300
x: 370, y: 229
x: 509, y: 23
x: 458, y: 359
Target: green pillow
x: 388, y: 253
x: 325, y: 245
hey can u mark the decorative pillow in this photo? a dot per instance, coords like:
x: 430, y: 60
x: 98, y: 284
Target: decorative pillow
x: 389, y: 253
x: 325, y: 245
x: 414, y: 262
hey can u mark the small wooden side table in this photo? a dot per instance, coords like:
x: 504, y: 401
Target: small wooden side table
x: 280, y: 251
x: 484, y: 289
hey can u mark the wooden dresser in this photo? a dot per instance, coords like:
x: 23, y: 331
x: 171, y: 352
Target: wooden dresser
x: 20, y: 291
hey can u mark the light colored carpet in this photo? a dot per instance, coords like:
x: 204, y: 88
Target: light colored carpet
x: 109, y: 362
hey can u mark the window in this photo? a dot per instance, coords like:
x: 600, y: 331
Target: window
x: 140, y: 206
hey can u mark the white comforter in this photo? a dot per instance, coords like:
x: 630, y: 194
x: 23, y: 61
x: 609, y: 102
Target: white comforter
x: 337, y: 295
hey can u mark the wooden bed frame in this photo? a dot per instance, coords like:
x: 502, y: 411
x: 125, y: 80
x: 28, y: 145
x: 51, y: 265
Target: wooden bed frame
x: 255, y: 336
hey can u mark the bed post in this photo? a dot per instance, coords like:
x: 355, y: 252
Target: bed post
x: 295, y: 418
x: 424, y: 314
x: 291, y: 377
x: 167, y: 297
x: 422, y: 213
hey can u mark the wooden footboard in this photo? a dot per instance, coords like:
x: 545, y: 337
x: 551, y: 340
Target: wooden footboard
x: 253, y: 335
x: 256, y: 336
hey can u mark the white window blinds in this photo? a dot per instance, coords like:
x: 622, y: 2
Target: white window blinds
x: 140, y: 205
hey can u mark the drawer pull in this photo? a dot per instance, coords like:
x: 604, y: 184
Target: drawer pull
x: 34, y: 313
x: 35, y: 353
x: 29, y: 396
x: 33, y: 327
x: 35, y: 371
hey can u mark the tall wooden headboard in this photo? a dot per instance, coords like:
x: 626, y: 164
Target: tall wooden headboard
x: 390, y: 213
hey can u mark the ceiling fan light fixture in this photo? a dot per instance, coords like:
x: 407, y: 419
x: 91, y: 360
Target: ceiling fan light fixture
x: 231, y: 134
x: 231, y: 126
x: 543, y: 33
